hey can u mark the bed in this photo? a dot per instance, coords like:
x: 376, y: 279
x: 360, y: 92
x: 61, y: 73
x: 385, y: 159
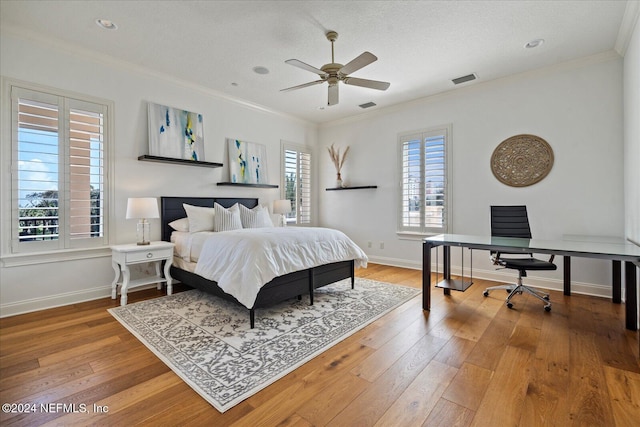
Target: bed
x: 294, y: 284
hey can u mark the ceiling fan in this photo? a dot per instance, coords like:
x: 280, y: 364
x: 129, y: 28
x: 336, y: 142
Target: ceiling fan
x: 333, y: 73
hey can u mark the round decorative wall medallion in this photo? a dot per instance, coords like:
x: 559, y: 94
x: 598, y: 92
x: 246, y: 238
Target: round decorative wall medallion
x: 522, y: 160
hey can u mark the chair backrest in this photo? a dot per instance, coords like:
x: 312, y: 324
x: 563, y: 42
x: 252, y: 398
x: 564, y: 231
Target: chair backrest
x: 510, y: 221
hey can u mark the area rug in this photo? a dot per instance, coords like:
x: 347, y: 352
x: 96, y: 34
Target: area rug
x: 207, y: 341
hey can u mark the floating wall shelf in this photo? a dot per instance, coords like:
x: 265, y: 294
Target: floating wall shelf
x: 148, y: 158
x: 361, y: 187
x: 241, y: 184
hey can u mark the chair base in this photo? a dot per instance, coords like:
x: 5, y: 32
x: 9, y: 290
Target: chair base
x: 519, y: 288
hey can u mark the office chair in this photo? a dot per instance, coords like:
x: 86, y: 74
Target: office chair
x: 512, y: 221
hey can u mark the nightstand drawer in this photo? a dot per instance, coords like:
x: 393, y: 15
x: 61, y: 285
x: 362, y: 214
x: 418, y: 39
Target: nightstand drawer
x: 149, y: 255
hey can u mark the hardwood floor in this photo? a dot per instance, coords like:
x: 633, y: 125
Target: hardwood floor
x: 470, y: 361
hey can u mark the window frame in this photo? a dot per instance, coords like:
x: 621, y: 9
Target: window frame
x: 423, y: 230
x: 298, y: 148
x: 14, y: 252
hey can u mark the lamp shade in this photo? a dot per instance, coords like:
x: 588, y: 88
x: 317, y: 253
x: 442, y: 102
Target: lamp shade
x: 142, y: 207
x: 281, y: 207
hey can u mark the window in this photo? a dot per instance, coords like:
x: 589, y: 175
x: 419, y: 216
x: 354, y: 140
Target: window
x: 297, y: 182
x: 58, y: 172
x: 425, y: 193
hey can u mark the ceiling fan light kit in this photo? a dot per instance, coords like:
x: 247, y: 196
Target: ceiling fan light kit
x: 333, y: 73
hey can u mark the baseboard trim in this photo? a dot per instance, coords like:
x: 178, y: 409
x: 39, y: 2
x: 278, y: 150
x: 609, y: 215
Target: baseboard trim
x: 396, y: 262
x: 503, y: 276
x: 59, y: 300
x: 36, y: 304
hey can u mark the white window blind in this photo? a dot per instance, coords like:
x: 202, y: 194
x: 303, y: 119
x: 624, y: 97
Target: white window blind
x: 58, y: 172
x: 297, y: 183
x: 424, y: 204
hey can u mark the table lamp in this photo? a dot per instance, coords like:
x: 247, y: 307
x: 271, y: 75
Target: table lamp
x: 282, y: 207
x: 142, y: 208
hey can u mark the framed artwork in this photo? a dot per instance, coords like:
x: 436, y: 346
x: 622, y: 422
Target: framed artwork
x: 175, y: 133
x: 247, y: 162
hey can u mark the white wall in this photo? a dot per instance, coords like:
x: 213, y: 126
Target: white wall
x: 632, y: 135
x: 575, y: 107
x: 29, y: 287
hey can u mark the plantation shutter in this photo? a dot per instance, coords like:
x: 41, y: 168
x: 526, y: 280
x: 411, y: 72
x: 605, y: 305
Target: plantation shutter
x: 86, y: 172
x: 434, y: 182
x: 58, y: 171
x: 297, y: 184
x: 304, y: 196
x: 424, y: 198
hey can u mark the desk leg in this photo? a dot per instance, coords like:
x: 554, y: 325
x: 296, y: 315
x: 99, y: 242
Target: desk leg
x: 616, y: 282
x: 567, y: 275
x: 426, y: 276
x: 446, y: 268
x: 631, y: 303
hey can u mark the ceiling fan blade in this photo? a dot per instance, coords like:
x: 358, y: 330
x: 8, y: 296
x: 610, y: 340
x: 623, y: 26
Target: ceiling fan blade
x: 371, y: 84
x: 300, y: 64
x: 333, y: 94
x: 361, y: 61
x: 317, y: 82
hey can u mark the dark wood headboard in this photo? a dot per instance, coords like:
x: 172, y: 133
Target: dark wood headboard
x: 171, y: 208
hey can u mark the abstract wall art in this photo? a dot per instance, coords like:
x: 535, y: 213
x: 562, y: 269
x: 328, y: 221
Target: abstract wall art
x: 247, y: 162
x: 175, y: 133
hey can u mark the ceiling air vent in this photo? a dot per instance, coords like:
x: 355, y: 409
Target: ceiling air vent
x: 367, y: 105
x: 463, y: 79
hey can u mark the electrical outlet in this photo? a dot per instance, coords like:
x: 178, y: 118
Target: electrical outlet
x: 368, y: 243
x: 381, y: 245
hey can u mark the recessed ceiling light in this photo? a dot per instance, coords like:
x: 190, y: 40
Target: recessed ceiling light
x: 534, y: 43
x: 106, y: 24
x: 260, y: 70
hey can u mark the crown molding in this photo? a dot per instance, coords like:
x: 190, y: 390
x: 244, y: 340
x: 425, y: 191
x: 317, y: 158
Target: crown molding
x: 606, y: 56
x: 111, y: 61
x: 627, y: 26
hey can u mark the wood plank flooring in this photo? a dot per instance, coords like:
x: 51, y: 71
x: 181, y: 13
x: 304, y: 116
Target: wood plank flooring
x: 470, y: 361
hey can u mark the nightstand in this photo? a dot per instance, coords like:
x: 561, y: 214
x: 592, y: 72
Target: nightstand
x: 122, y: 256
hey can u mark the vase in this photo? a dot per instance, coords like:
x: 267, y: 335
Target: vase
x: 338, y: 181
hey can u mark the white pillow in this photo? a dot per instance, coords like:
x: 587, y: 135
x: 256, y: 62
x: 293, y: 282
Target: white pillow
x: 200, y: 218
x: 257, y: 217
x: 181, y: 224
x: 226, y: 219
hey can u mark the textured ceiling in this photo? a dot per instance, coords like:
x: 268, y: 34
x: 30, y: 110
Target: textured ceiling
x: 420, y: 45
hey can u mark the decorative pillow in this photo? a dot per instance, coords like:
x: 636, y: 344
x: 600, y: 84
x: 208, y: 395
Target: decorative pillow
x: 181, y: 224
x: 257, y: 217
x: 227, y: 219
x: 200, y: 218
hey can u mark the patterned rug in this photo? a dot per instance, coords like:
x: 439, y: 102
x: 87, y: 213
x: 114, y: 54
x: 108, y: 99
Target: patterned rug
x: 208, y: 342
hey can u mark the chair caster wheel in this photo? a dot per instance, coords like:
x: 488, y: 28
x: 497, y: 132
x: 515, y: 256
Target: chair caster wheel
x: 547, y: 308
x: 509, y: 305
x: 485, y: 293
x: 546, y: 297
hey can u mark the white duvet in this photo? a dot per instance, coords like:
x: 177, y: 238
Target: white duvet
x: 242, y: 261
